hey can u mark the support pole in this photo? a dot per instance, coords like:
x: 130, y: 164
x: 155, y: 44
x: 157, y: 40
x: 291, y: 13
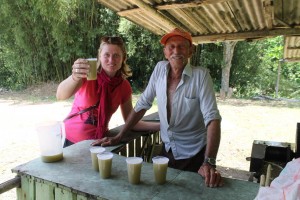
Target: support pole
x: 278, y: 77
x: 10, y: 184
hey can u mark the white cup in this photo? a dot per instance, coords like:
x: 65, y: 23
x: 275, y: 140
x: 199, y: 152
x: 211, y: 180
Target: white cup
x: 160, y: 166
x: 94, y: 151
x: 105, y: 163
x: 134, y: 166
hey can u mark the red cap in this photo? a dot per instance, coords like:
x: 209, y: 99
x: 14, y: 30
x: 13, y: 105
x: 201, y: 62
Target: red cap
x: 176, y: 32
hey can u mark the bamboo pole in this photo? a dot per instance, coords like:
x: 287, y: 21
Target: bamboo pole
x: 268, y: 176
x: 262, y: 180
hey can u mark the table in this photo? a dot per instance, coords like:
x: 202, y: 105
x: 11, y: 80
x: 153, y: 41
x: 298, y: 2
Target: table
x: 73, y: 178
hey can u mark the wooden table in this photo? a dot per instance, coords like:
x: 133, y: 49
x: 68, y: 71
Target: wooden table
x: 73, y: 178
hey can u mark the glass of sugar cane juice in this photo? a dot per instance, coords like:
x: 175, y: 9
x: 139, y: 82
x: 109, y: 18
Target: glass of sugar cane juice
x: 94, y: 151
x: 160, y: 166
x: 105, y: 164
x: 134, y: 166
x: 92, y: 75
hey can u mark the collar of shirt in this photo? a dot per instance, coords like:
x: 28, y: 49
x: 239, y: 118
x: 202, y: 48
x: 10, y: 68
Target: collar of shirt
x: 186, y: 71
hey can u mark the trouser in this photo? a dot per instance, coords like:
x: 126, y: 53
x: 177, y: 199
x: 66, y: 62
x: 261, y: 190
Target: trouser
x: 67, y: 143
x: 190, y: 164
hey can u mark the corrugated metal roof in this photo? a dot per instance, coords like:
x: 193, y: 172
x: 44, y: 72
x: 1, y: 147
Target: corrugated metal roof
x: 292, y: 48
x: 218, y: 20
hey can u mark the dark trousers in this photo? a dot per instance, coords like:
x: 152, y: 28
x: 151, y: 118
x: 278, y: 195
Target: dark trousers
x: 67, y: 143
x: 190, y: 164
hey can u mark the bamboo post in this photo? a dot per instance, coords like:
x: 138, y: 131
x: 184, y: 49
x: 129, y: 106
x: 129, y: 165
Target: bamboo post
x: 268, y: 176
x: 262, y: 180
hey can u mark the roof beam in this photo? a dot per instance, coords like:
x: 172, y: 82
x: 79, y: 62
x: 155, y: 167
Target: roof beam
x: 245, y: 35
x: 286, y: 25
x: 173, y: 5
x: 269, y: 13
x: 292, y: 59
x: 190, y: 4
x: 152, y: 12
x: 293, y: 48
x: 125, y: 13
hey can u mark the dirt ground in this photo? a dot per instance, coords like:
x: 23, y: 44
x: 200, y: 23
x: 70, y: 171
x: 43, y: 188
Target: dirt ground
x: 243, y: 121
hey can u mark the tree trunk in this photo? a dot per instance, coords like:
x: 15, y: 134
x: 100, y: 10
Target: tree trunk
x: 227, y: 57
x: 278, y: 77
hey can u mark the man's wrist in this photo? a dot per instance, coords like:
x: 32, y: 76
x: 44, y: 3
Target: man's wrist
x: 210, y: 161
x: 119, y: 137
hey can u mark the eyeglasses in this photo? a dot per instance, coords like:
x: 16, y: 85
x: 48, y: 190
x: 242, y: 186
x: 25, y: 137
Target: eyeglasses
x: 112, y: 40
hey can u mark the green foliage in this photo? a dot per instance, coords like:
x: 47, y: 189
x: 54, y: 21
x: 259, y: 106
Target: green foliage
x: 144, y: 51
x: 254, y: 68
x: 289, y: 86
x: 244, y: 69
x: 211, y: 57
x: 44, y: 38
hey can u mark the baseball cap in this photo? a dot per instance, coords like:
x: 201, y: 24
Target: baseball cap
x: 176, y: 32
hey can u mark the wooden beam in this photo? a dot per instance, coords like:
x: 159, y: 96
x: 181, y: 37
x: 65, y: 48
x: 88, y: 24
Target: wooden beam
x: 293, y: 48
x: 152, y: 12
x: 269, y: 13
x: 191, y: 4
x: 245, y: 35
x: 292, y: 59
x: 125, y: 13
x: 286, y: 25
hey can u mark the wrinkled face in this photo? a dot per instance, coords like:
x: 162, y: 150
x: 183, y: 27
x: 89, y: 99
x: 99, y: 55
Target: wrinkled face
x: 178, y: 50
x: 111, y: 58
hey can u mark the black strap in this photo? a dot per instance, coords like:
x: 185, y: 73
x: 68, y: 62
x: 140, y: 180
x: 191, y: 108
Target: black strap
x: 82, y: 111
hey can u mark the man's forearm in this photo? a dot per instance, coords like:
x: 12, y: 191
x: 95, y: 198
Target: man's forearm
x: 213, y: 139
x: 131, y: 121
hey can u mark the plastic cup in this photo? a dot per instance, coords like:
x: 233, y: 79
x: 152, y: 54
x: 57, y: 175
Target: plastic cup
x: 134, y: 166
x: 160, y: 166
x: 92, y: 75
x: 105, y: 163
x: 94, y: 151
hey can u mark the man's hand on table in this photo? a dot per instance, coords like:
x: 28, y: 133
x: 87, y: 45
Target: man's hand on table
x: 211, y: 175
x: 107, y: 141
